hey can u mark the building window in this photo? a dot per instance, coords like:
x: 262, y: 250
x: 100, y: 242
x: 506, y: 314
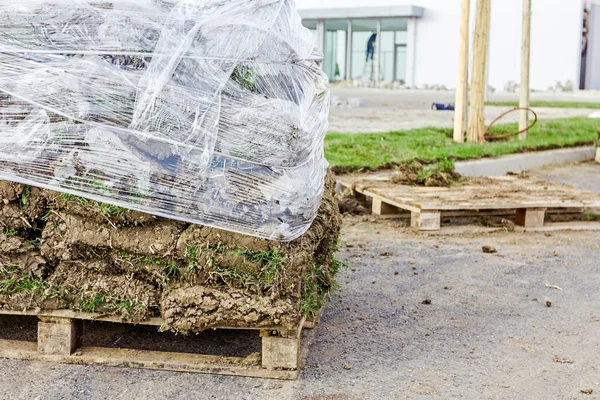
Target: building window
x: 393, y: 49
x: 374, y: 58
x: 336, y: 36
x: 364, y: 50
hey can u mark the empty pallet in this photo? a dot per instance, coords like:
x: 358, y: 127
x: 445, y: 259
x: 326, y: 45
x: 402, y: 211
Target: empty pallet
x: 530, y: 197
x: 60, y: 333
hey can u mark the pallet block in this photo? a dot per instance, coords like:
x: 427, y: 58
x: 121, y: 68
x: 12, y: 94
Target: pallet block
x: 311, y: 322
x: 280, y: 349
x: 59, y: 336
x: 59, y: 340
x: 530, y: 217
x: 425, y: 220
x: 381, y: 208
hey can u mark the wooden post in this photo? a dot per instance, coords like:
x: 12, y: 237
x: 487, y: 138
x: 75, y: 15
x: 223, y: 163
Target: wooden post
x: 478, y: 77
x: 462, y: 85
x: 525, y: 68
x: 598, y: 147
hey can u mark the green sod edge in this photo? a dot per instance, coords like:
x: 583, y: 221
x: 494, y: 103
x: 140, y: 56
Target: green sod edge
x: 353, y: 152
x: 549, y: 104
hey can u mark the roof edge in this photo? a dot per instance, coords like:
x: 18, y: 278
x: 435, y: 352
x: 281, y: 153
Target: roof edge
x: 363, y: 12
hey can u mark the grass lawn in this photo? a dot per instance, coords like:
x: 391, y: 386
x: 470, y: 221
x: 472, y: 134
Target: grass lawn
x: 551, y: 104
x: 353, y: 152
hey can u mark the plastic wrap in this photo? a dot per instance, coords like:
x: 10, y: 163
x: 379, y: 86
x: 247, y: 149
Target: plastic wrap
x: 207, y: 111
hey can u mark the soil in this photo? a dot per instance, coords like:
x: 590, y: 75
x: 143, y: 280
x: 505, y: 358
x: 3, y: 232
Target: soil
x: 10, y: 191
x: 66, y: 232
x: 196, y: 308
x: 18, y: 251
x: 350, y: 205
x: 68, y: 252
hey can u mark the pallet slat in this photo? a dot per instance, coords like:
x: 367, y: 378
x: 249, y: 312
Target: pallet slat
x: 60, y: 341
x: 156, y: 360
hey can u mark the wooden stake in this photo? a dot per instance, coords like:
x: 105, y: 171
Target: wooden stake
x: 598, y: 146
x: 462, y: 85
x: 525, y: 68
x: 478, y: 81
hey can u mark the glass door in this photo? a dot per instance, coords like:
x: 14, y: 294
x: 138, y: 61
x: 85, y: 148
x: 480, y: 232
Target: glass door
x: 400, y: 64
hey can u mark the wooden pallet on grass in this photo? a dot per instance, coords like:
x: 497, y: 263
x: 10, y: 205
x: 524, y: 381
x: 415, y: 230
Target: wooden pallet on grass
x: 59, y: 340
x: 531, y: 198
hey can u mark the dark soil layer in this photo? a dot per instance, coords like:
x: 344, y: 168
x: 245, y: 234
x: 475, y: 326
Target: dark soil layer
x: 59, y: 251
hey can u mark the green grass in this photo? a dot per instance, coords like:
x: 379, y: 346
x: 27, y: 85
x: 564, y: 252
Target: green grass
x: 20, y: 281
x: 24, y: 198
x: 243, y: 76
x: 227, y: 273
x: 9, y: 232
x: 170, y: 269
x: 14, y: 280
x: 271, y: 263
x: 315, y: 294
x: 337, y: 265
x: 550, y: 104
x: 433, y: 145
x: 128, y: 307
x: 82, y: 201
x: 89, y: 304
x: 191, y: 253
x: 109, y: 210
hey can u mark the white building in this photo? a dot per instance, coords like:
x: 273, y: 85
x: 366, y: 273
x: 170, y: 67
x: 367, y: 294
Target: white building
x: 418, y: 41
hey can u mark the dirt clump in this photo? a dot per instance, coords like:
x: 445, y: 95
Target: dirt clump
x: 422, y: 174
x: 16, y: 250
x: 349, y: 204
x: 10, y: 191
x: 408, y: 174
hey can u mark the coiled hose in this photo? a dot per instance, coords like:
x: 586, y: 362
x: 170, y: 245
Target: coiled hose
x: 507, y: 135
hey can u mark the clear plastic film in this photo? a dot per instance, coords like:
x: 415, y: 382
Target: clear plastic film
x: 207, y: 111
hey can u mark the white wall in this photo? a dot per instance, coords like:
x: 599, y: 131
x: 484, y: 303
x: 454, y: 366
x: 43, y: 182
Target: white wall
x: 556, y: 39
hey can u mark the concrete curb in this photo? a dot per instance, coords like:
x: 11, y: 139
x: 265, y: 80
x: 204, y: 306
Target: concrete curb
x: 522, y: 162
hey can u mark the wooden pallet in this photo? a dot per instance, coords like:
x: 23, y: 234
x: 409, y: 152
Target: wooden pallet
x: 531, y: 198
x: 59, y: 340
